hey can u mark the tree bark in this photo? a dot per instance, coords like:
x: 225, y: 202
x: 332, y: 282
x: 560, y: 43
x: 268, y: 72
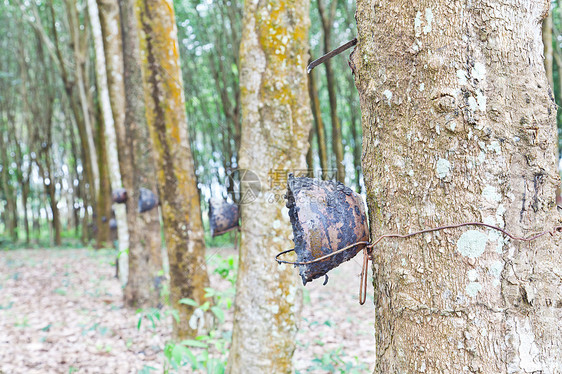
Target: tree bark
x: 10, y: 217
x: 319, y: 124
x: 276, y: 122
x: 355, y: 135
x: 327, y: 17
x: 110, y: 138
x: 459, y: 126
x: 548, y: 49
x: 145, y: 254
x: 103, y: 198
x: 166, y: 118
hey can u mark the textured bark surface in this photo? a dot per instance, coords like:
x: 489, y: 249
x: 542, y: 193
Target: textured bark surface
x: 145, y: 255
x: 459, y: 126
x: 548, y: 50
x: 276, y: 122
x: 110, y: 138
x: 167, y: 123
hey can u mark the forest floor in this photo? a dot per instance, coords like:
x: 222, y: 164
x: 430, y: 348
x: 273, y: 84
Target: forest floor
x: 61, y: 311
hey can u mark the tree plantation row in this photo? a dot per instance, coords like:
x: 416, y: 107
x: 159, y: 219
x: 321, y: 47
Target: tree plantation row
x: 123, y: 119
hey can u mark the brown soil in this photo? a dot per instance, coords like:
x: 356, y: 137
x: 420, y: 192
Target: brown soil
x: 61, y: 311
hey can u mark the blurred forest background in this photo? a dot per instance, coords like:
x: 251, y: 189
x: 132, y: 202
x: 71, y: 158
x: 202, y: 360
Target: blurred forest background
x: 49, y: 100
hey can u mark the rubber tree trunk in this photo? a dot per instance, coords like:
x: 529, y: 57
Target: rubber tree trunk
x: 103, y: 198
x: 548, y: 49
x: 110, y: 138
x: 327, y: 14
x: 459, y: 126
x: 166, y: 118
x: 9, y: 216
x: 318, y: 124
x: 145, y: 254
x: 276, y: 121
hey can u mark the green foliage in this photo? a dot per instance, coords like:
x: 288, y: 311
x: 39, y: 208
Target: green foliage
x: 207, y: 353
x: 146, y: 370
x: 155, y: 316
x: 334, y: 362
x: 221, y: 241
x: 41, y: 239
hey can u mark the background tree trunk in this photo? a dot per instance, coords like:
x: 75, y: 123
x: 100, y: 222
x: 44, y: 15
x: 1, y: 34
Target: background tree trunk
x: 145, y: 244
x: 110, y: 138
x: 318, y: 124
x: 10, y: 212
x: 276, y: 122
x: 327, y: 17
x: 459, y: 126
x: 167, y: 123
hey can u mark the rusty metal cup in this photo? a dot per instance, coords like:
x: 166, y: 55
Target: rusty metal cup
x: 147, y: 200
x: 326, y: 217
x: 223, y: 217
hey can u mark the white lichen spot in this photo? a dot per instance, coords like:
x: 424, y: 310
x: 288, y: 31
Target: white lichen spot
x: 452, y: 125
x: 422, y: 87
x: 443, y: 168
x: 500, y: 212
x: 528, y: 349
x: 489, y: 220
x: 461, y: 76
x: 472, y: 243
x: 481, y: 100
x: 429, y: 20
x: 479, y: 71
x: 473, y: 288
x: 489, y: 193
x: 496, y: 271
x: 417, y: 23
x: 388, y: 96
x: 276, y: 224
x: 473, y: 275
x: 481, y: 157
x: 472, y: 104
x: 495, y: 147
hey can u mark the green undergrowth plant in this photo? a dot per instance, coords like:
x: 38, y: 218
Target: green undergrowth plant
x: 336, y: 361
x: 207, y: 353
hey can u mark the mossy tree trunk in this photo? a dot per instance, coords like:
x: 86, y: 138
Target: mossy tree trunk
x: 459, y: 126
x: 166, y: 118
x: 145, y: 255
x: 276, y: 121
